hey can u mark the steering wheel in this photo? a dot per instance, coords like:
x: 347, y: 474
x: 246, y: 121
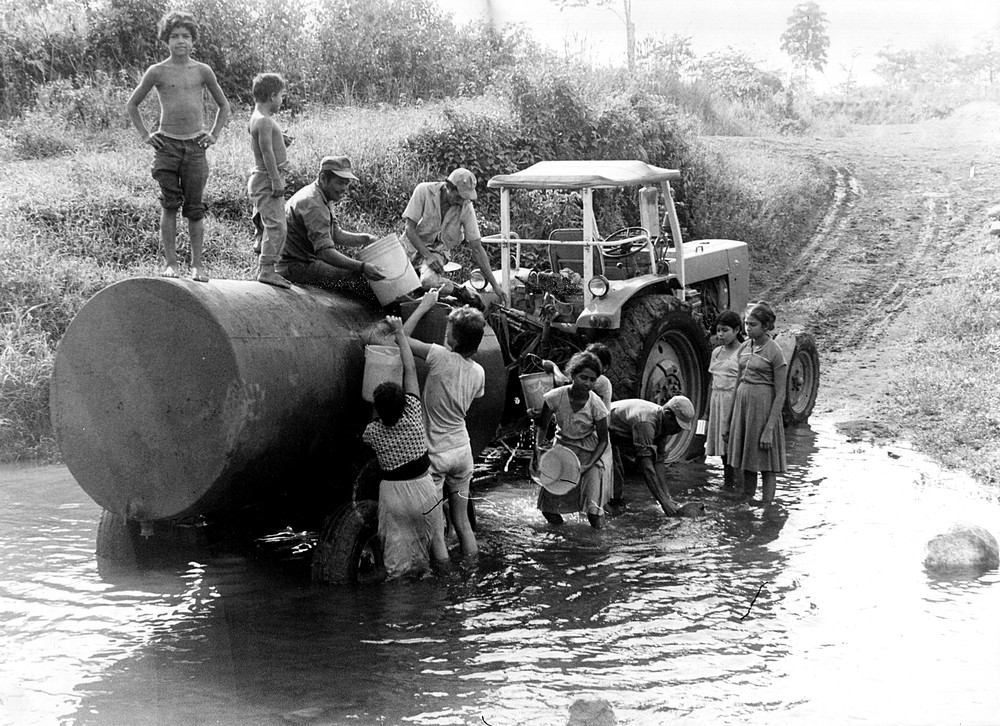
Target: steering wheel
x: 634, y: 239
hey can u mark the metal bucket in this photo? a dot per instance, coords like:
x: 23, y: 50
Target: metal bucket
x: 382, y: 363
x: 400, y: 277
x: 534, y: 386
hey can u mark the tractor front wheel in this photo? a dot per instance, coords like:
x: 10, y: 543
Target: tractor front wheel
x: 661, y: 351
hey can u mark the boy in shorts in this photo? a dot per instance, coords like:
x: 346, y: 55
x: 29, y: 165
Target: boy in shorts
x: 180, y: 140
x: 453, y: 381
x: 266, y: 185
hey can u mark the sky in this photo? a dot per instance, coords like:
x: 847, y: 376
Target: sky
x: 858, y: 29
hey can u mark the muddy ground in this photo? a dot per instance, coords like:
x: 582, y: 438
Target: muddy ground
x: 907, y: 216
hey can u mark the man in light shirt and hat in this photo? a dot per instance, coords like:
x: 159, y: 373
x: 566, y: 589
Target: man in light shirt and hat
x: 439, y: 217
x: 642, y: 427
x: 309, y: 255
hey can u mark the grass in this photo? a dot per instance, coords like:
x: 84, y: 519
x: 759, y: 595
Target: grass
x: 87, y: 216
x: 772, y: 201
x: 957, y: 370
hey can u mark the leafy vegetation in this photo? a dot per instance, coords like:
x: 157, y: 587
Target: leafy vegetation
x: 805, y: 39
x: 957, y: 371
x: 423, y: 96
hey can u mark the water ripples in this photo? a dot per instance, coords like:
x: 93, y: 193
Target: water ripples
x: 732, y: 618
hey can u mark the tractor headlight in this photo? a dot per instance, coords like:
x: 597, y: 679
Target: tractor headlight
x: 478, y: 279
x: 598, y: 286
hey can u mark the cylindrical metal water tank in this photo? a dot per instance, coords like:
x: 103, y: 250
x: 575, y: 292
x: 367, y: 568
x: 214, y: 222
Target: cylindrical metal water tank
x: 172, y: 398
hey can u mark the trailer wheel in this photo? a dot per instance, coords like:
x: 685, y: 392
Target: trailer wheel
x: 348, y: 551
x: 803, y: 380
x: 661, y: 351
x: 118, y: 540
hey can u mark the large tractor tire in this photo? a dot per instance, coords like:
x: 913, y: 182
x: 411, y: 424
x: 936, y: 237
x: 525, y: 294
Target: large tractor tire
x: 803, y: 380
x: 661, y: 351
x: 348, y: 551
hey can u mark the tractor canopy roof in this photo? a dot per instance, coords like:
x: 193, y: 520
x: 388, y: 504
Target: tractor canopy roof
x: 584, y: 174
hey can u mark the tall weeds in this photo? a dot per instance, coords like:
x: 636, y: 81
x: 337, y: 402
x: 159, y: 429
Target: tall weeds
x: 80, y: 220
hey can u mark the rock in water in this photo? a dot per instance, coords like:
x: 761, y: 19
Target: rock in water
x: 591, y: 711
x: 963, y: 546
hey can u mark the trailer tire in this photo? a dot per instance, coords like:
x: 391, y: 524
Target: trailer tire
x: 803, y: 380
x: 661, y: 351
x: 348, y: 551
x: 118, y: 540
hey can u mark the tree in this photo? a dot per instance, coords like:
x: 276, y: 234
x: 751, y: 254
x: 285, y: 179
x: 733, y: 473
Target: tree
x: 625, y: 17
x: 805, y: 39
x: 736, y: 76
x: 673, y: 55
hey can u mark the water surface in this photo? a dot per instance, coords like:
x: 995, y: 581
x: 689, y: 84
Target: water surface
x: 823, y: 616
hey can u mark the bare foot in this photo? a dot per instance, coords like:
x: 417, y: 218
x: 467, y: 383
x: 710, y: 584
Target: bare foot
x: 169, y: 271
x: 198, y: 275
x: 273, y: 278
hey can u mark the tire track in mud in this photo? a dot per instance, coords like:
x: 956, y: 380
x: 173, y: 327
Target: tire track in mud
x: 853, y: 278
x: 818, y: 254
x: 907, y: 269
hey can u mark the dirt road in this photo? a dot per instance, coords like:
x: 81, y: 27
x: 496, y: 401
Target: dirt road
x: 908, y: 215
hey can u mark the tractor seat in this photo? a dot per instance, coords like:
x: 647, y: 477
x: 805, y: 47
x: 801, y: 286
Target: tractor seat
x: 572, y: 257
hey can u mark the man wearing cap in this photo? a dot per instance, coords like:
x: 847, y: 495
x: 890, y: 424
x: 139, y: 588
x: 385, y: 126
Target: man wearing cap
x: 438, y: 217
x: 309, y: 256
x: 643, y: 427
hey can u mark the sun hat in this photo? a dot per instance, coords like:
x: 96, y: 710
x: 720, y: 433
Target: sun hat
x: 339, y: 165
x: 682, y: 409
x: 558, y: 470
x: 465, y: 181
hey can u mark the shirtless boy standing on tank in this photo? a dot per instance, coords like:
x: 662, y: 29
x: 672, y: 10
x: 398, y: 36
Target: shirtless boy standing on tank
x: 180, y: 140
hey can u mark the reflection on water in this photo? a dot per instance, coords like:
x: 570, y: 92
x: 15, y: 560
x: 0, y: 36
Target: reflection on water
x: 822, y: 615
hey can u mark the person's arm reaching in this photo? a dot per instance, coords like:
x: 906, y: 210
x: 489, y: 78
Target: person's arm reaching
x: 420, y: 348
x: 410, y: 382
x: 433, y: 260
x: 483, y: 260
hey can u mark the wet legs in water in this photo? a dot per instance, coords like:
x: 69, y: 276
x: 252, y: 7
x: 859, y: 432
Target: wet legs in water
x: 750, y: 486
x: 728, y: 476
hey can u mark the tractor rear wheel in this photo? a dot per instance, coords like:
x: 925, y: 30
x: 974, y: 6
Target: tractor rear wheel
x: 348, y: 551
x: 803, y: 380
x: 661, y: 351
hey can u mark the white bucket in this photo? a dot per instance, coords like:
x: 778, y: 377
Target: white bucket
x: 388, y: 255
x: 382, y: 363
x: 534, y: 386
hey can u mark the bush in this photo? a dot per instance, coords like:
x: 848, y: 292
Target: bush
x: 56, y: 250
x: 40, y: 137
x: 90, y: 103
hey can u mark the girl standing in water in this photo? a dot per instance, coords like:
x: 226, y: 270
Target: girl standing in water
x: 410, y: 520
x: 602, y: 387
x: 581, y: 426
x: 756, y: 436
x: 724, y: 367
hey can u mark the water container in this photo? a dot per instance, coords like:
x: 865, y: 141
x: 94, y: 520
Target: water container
x: 382, y: 363
x: 535, y: 386
x: 388, y: 255
x: 433, y: 326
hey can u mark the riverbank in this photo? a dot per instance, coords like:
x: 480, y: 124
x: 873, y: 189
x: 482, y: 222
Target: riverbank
x: 902, y: 288
x: 898, y: 279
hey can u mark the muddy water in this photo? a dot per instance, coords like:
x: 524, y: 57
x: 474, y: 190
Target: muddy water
x: 659, y: 616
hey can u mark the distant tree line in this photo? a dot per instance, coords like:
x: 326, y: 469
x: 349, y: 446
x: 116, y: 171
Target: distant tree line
x: 329, y: 50
x: 74, y: 60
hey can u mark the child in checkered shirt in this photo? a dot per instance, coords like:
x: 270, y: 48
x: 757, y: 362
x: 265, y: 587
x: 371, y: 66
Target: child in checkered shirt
x: 410, y: 516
